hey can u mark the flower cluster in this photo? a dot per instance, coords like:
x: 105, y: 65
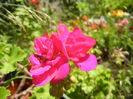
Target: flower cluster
x: 122, y: 22
x: 50, y: 62
x: 119, y: 13
x: 96, y: 23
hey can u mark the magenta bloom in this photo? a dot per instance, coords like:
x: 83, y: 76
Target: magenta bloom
x: 50, y: 62
x: 76, y: 45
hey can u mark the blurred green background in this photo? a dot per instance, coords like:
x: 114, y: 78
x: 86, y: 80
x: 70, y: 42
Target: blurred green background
x: 110, y: 22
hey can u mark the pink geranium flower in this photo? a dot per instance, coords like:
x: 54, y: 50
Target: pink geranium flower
x: 75, y: 46
x: 50, y: 62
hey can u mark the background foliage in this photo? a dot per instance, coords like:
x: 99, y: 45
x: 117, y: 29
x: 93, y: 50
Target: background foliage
x: 21, y: 21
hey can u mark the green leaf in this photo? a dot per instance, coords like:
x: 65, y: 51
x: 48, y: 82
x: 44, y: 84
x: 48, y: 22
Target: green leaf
x: 6, y: 68
x: 4, y: 93
x: 9, y: 60
x: 16, y: 54
x: 41, y: 93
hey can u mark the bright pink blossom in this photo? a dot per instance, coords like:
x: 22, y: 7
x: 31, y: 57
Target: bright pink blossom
x: 50, y: 62
x: 76, y: 45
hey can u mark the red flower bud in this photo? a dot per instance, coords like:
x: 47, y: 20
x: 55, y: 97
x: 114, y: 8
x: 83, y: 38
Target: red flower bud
x: 84, y: 18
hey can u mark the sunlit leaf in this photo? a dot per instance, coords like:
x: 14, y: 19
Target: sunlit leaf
x: 4, y: 93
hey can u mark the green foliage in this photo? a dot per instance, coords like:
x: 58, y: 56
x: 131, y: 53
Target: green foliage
x: 28, y: 21
x: 76, y: 8
x: 91, y: 83
x: 25, y: 23
x: 41, y: 93
x: 4, y: 93
x: 112, y: 79
x: 9, y: 58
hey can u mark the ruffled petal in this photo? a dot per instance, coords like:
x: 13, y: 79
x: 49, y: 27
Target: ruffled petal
x: 40, y: 45
x: 55, y: 70
x: 39, y: 69
x: 59, y: 45
x: 44, y: 72
x: 44, y: 78
x: 62, y: 33
x: 44, y: 47
x: 62, y: 71
x: 78, y: 44
x: 87, y: 63
x: 81, y: 38
x: 34, y: 60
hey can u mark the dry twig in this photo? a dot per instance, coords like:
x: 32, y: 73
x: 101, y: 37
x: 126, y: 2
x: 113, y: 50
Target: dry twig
x: 25, y: 69
x: 28, y: 90
x: 22, y: 83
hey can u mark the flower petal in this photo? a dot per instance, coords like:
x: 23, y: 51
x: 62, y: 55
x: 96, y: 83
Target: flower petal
x: 44, y: 73
x: 80, y: 37
x: 44, y: 78
x: 59, y: 45
x: 62, y: 71
x: 38, y: 70
x: 78, y: 44
x: 56, y: 69
x: 33, y: 59
x: 44, y: 47
x: 87, y: 63
x: 40, y: 46
x: 62, y: 33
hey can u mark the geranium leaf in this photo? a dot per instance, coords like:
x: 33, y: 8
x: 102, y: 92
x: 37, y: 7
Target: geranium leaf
x: 4, y: 93
x: 7, y: 63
